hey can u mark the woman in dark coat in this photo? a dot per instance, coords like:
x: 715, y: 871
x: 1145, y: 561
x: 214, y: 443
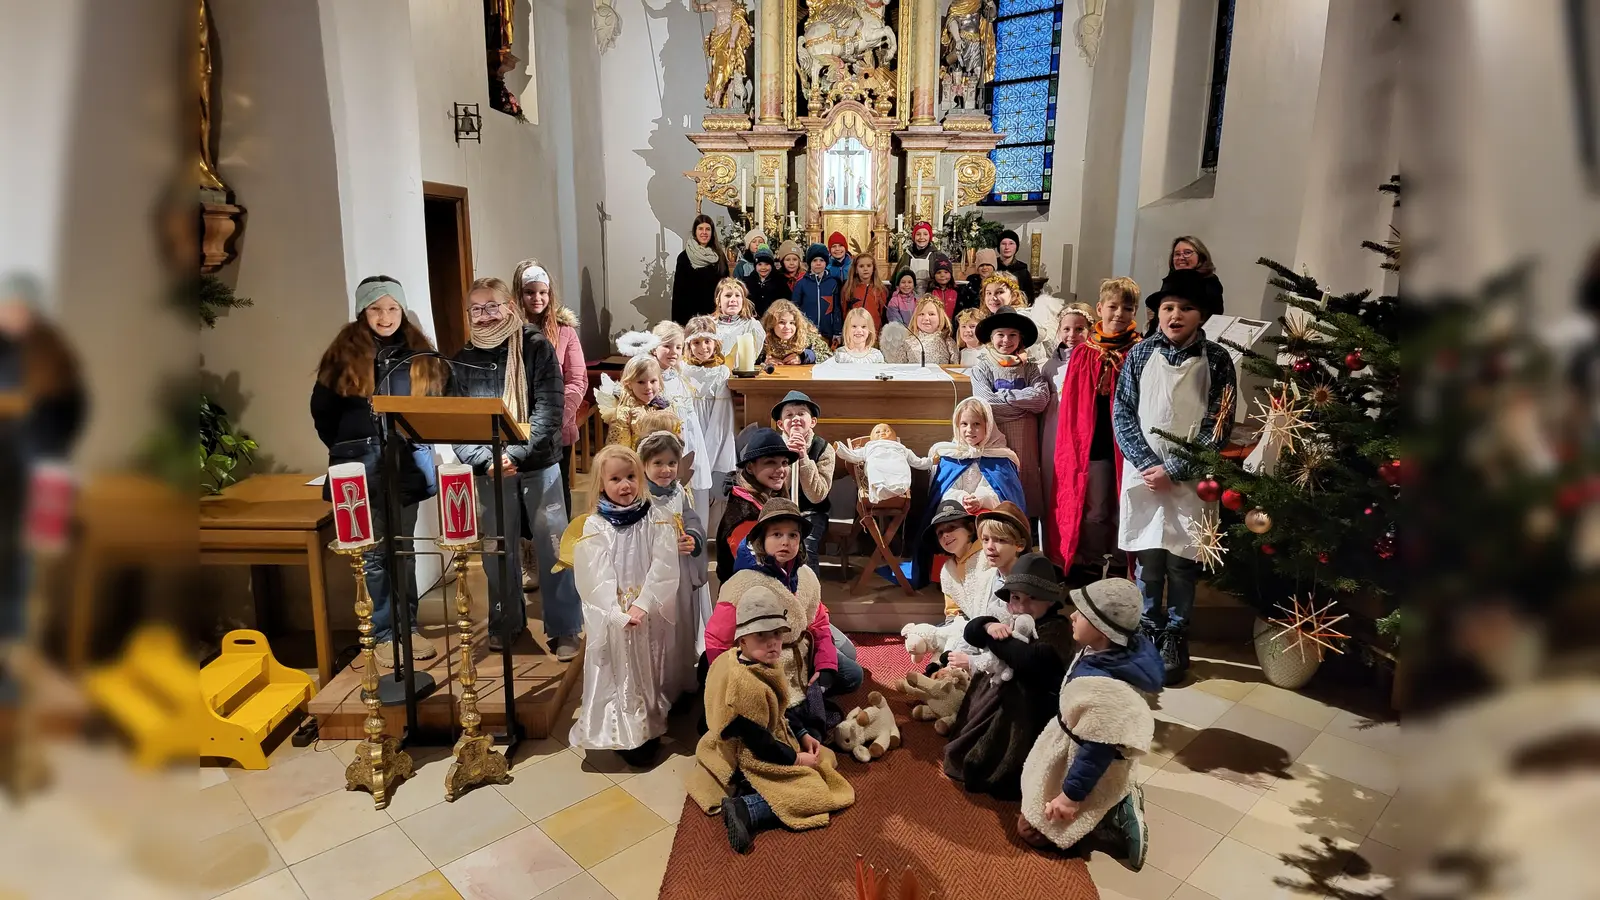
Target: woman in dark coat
x: 700, y: 266
x: 999, y: 720
x: 381, y: 352
x: 1187, y: 253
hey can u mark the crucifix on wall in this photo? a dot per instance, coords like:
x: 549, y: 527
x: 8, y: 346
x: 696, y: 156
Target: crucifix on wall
x: 847, y: 175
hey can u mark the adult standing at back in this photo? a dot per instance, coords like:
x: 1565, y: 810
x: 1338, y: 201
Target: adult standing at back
x: 1009, y: 261
x: 542, y: 309
x: 1188, y: 252
x: 515, y: 362
x: 700, y: 266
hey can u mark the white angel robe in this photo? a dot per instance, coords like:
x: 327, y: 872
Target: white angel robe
x: 681, y: 392
x: 713, y: 404
x: 694, y: 599
x: 625, y: 702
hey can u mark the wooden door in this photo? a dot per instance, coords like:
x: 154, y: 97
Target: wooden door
x: 449, y: 239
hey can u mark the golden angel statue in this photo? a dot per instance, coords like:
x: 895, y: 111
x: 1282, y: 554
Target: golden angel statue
x: 727, y: 47
x: 968, y: 46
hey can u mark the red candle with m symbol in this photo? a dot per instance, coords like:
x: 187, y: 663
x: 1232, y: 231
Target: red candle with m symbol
x: 458, y: 505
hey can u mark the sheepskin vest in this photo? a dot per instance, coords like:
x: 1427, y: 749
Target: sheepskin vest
x: 1099, y: 709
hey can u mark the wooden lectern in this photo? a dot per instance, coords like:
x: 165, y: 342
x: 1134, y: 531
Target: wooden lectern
x: 450, y: 420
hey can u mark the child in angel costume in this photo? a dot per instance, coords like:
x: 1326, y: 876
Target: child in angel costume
x: 625, y: 555
x: 707, y: 371
x: 621, y: 404
x: 680, y: 390
x: 664, y: 466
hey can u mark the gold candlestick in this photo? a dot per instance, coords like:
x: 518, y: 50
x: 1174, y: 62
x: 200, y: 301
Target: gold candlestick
x: 476, y: 760
x: 380, y: 763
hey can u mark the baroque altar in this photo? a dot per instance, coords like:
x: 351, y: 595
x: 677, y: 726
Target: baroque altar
x: 862, y: 116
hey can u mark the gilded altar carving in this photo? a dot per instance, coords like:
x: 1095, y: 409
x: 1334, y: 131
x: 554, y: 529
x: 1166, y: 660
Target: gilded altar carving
x: 968, y: 50
x: 848, y: 45
x: 924, y: 167
x: 769, y: 167
x: 714, y: 178
x: 974, y: 179
x: 728, y: 51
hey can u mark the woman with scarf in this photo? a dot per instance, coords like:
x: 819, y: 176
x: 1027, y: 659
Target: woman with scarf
x: 515, y: 362
x: 1088, y: 464
x: 381, y: 352
x: 700, y: 266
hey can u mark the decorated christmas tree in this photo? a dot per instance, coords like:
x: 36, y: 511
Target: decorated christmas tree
x: 1313, y: 509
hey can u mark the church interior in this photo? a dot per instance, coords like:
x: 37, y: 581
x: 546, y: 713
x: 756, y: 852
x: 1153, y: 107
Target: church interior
x: 992, y: 352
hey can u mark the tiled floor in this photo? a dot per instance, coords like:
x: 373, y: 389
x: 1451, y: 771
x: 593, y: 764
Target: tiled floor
x: 1253, y: 792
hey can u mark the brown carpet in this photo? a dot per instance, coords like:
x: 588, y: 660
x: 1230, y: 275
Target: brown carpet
x: 907, y: 814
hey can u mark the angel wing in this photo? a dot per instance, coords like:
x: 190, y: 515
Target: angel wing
x: 686, y: 467
x: 569, y: 543
x: 605, y: 397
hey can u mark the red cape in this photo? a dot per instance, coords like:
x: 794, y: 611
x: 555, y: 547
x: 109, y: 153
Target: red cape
x: 1074, y: 434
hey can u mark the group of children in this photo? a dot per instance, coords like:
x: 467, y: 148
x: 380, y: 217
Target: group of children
x: 1059, y: 432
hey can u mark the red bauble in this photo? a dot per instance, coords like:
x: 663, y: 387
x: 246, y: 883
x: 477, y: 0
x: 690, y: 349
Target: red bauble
x: 1369, y: 510
x: 1390, y: 472
x: 1233, y: 499
x: 1268, y: 549
x: 1208, y: 490
x: 1384, y: 547
x: 1322, y: 558
x: 1571, y: 496
x: 1354, y: 362
x: 1302, y: 366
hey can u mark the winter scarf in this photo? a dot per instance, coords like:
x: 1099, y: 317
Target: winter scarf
x: 622, y: 516
x: 700, y: 255
x: 1113, y: 350
x: 778, y: 349
x: 508, y: 331
x: 1003, y: 360
x: 717, y: 359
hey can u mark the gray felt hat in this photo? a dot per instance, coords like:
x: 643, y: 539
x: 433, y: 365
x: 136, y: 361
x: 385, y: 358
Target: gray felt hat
x: 1112, y: 605
x: 1035, y: 575
x: 759, y: 610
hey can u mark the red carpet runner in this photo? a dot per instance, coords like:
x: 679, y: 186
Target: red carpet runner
x: 907, y: 814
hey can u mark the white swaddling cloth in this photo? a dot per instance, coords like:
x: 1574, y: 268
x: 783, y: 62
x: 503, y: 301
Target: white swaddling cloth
x: 888, y: 465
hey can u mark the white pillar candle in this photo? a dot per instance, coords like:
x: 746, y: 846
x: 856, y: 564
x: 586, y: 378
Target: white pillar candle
x: 938, y: 211
x: 761, y: 208
x: 744, y: 189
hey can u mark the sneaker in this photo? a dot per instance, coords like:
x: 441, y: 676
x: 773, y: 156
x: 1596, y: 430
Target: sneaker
x: 422, y: 648
x: 1127, y: 818
x: 384, y: 653
x: 736, y: 818
x: 1181, y: 638
x: 565, y: 647
x: 1167, y: 644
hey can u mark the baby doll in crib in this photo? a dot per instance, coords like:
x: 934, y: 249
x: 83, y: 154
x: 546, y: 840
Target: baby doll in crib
x: 888, y: 463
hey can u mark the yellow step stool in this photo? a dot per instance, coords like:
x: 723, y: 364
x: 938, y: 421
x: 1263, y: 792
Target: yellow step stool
x: 153, y: 693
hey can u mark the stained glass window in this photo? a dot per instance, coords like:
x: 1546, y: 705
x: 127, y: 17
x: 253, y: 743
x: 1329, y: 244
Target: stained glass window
x: 1023, y: 102
x: 1220, y: 51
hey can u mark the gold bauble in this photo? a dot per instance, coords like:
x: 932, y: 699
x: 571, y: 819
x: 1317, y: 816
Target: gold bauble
x: 1258, y: 521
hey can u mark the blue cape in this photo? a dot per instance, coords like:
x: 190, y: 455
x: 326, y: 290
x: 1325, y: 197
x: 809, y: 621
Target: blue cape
x: 1002, y: 476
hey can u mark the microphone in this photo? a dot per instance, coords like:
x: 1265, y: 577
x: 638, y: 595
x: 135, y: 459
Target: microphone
x: 396, y: 362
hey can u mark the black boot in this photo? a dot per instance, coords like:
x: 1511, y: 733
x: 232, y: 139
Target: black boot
x: 736, y: 819
x: 643, y: 755
x: 1174, y: 647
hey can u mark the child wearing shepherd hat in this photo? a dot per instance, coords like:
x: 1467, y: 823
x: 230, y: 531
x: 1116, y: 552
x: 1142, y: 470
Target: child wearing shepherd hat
x: 1079, y: 776
x: 1183, y: 384
x: 759, y: 765
x: 1016, y: 390
x: 1000, y: 719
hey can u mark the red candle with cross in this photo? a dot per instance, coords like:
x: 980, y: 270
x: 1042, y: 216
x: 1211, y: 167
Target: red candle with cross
x: 352, y: 508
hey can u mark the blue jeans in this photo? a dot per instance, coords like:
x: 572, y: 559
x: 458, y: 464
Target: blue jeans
x: 761, y: 815
x: 850, y: 672
x: 1160, y: 569
x: 381, y: 583
x: 542, y: 502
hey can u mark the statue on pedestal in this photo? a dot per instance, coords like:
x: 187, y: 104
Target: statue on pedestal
x: 727, y: 47
x: 845, y: 40
x: 968, y: 50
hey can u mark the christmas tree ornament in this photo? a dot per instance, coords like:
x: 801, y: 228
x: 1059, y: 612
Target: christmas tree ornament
x: 1353, y: 360
x: 1306, y: 465
x: 1224, y: 414
x: 1384, y: 547
x: 1208, y: 490
x: 1233, y: 499
x: 1390, y: 472
x: 1322, y: 558
x: 1303, y: 365
x: 1321, y: 394
x: 1258, y: 521
x: 1371, y: 510
x: 1206, y: 532
x: 1268, y: 549
x: 1282, y: 417
x: 1304, y: 624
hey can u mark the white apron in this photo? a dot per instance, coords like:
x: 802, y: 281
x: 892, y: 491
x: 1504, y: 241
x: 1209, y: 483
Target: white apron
x: 1173, y: 399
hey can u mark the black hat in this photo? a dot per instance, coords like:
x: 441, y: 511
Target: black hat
x: 796, y: 397
x: 949, y: 511
x: 758, y: 441
x: 764, y: 255
x: 1035, y: 575
x: 1007, y: 318
x: 1204, y: 291
x: 940, y: 261
x: 899, y: 275
x: 816, y: 251
x: 1008, y: 233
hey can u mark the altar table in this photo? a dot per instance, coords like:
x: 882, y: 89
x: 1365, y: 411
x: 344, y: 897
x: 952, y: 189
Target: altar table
x: 918, y: 410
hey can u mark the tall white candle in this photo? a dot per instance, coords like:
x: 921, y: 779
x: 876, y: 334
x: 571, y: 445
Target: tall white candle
x: 919, y: 185
x: 794, y: 221
x: 761, y: 209
x: 938, y: 211
x: 900, y: 222
x: 744, y: 189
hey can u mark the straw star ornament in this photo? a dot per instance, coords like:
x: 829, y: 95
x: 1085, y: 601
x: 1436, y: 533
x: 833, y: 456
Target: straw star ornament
x: 1310, y: 624
x: 1206, y: 532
